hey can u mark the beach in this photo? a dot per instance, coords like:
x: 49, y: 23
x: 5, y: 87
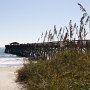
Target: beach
x: 8, y: 78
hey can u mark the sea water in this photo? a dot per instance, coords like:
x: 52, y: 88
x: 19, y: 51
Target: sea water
x: 8, y: 60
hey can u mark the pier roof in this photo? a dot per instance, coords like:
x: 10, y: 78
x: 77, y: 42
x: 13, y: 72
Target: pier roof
x: 14, y: 43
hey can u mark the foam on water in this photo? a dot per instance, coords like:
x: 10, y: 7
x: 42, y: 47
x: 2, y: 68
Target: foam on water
x: 9, y: 59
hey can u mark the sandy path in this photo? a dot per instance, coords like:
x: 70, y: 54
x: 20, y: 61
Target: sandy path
x: 8, y: 77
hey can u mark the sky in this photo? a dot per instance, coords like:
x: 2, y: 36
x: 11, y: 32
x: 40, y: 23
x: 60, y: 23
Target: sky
x: 23, y: 21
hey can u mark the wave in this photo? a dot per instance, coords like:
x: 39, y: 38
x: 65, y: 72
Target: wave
x: 9, y: 59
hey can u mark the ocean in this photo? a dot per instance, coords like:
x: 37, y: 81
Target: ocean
x: 8, y: 60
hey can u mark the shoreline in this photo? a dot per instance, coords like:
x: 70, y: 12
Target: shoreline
x: 8, y: 78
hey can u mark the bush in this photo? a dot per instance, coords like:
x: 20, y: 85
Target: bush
x: 66, y: 70
x: 70, y: 70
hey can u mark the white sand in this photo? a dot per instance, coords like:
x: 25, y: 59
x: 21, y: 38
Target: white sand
x: 8, y: 77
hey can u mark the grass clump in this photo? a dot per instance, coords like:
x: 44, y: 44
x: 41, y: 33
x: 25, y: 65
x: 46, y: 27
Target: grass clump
x: 70, y: 70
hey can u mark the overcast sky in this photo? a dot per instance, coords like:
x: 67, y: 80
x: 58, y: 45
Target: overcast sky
x: 23, y: 21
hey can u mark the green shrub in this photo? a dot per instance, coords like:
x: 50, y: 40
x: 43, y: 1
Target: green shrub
x: 66, y: 70
x: 70, y: 70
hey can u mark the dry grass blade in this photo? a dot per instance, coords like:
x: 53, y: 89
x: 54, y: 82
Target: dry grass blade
x: 80, y: 33
x: 59, y: 33
x: 42, y: 35
x: 66, y: 35
x: 49, y: 35
x: 70, y: 28
x: 62, y: 35
x: 75, y: 25
x: 55, y: 31
x: 38, y: 39
x: 82, y: 18
x: 87, y: 20
x: 82, y: 8
x: 77, y: 30
x: 51, y: 39
x: 85, y: 33
x: 45, y: 36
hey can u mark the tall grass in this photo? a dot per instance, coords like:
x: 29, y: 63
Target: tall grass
x: 69, y: 70
x: 70, y: 32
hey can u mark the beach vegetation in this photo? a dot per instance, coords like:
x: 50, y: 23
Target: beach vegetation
x: 68, y: 68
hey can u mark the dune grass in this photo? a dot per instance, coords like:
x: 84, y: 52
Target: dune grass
x: 69, y: 71
x: 66, y: 70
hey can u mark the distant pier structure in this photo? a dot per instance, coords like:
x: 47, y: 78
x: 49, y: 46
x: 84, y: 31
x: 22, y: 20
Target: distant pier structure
x: 45, y: 49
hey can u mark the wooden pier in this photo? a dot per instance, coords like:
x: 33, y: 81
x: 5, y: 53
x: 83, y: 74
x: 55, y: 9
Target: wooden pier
x: 44, y: 50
